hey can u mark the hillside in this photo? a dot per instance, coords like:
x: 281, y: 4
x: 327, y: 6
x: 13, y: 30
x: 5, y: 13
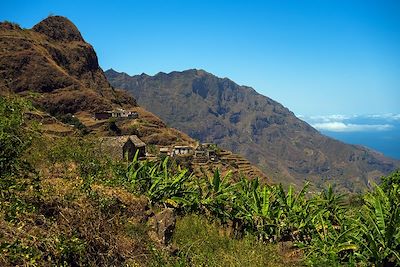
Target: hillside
x: 237, y: 118
x: 52, y: 65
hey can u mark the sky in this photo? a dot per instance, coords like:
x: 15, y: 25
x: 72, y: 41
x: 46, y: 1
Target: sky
x: 316, y: 57
x: 380, y: 132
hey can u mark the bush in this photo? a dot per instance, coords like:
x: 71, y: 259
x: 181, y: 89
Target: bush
x: 112, y: 127
x: 14, y: 138
x: 74, y: 121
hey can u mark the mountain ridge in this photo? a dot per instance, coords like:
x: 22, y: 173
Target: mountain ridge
x: 238, y: 118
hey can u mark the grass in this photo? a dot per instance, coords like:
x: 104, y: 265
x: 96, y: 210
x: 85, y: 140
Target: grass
x: 203, y: 243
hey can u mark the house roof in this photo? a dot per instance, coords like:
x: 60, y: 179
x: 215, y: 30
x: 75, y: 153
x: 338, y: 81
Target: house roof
x: 119, y: 141
x: 136, y: 141
x: 183, y: 147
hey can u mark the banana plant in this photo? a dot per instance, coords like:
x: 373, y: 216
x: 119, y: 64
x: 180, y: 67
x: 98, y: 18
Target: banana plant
x: 255, y: 205
x: 331, y: 245
x: 379, y: 224
x: 217, y: 196
x: 293, y: 214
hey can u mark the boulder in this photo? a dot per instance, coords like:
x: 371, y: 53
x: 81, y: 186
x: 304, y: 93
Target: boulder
x: 162, y: 225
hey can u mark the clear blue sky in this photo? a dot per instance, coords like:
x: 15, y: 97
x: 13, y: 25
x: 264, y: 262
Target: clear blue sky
x: 315, y: 57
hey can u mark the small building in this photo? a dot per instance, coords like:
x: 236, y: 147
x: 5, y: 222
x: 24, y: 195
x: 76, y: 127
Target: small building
x: 182, y: 150
x: 200, y: 153
x: 104, y: 115
x: 117, y: 113
x: 121, y: 113
x: 122, y: 147
x: 206, y: 151
x: 165, y: 151
x: 133, y: 115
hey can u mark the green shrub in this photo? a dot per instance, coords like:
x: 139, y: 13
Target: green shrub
x: 112, y: 127
x: 74, y: 121
x: 14, y: 138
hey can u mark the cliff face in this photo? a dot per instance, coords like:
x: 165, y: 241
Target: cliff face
x: 237, y: 118
x: 53, y: 59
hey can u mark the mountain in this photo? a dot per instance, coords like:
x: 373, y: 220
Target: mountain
x: 238, y: 118
x: 52, y: 64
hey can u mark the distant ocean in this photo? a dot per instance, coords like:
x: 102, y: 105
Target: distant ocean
x: 379, y: 132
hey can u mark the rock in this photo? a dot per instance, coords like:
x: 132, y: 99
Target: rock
x: 162, y: 225
x: 58, y: 28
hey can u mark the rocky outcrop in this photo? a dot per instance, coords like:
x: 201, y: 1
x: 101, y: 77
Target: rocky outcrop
x: 162, y: 226
x: 53, y: 59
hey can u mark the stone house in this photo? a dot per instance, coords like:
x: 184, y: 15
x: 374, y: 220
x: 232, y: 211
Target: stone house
x: 104, y: 115
x: 165, y: 151
x: 117, y: 113
x: 122, y: 147
x: 182, y: 150
x: 206, y: 151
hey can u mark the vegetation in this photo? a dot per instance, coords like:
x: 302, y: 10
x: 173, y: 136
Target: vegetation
x: 112, y: 127
x: 14, y: 139
x: 65, y: 204
x: 74, y: 121
x: 202, y: 243
x: 326, y: 229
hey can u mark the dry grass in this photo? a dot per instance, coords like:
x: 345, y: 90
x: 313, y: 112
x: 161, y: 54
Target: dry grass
x: 72, y: 227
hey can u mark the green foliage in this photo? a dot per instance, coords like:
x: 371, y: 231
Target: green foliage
x: 112, y: 127
x: 151, y: 148
x: 81, y: 152
x: 323, y: 225
x: 390, y: 180
x: 18, y: 253
x: 379, y: 224
x: 162, y: 183
x: 327, y: 229
x: 70, y: 250
x: 16, y: 174
x: 203, y: 243
x: 74, y: 121
x: 14, y: 138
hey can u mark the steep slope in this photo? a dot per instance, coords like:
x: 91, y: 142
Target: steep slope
x: 237, y: 118
x: 54, y: 65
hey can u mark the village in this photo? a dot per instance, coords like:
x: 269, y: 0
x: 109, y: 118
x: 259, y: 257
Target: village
x: 199, y: 157
x: 125, y: 147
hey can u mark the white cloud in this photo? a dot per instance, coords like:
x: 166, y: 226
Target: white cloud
x: 387, y: 116
x: 354, y: 123
x: 338, y: 126
x: 328, y: 118
x: 343, y: 118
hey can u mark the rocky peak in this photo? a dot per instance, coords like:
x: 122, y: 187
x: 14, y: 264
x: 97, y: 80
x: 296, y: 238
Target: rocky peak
x: 58, y: 28
x: 53, y: 59
x: 6, y: 25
